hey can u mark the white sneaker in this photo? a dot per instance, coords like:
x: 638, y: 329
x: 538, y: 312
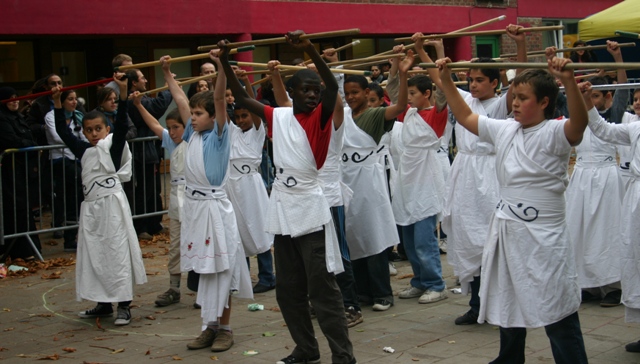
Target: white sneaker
x: 392, y: 269
x: 411, y: 292
x: 432, y: 296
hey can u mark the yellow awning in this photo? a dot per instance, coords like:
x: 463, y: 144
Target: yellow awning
x: 624, y: 16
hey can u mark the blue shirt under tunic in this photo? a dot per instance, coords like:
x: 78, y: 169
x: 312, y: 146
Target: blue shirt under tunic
x: 216, y: 150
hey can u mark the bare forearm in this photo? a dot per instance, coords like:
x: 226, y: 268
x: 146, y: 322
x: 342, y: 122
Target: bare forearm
x: 279, y: 91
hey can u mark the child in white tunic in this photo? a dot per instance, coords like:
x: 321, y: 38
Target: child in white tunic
x: 627, y: 134
x: 305, y: 246
x: 209, y: 240
x: 528, y: 268
x: 109, y: 257
x: 172, y: 142
x: 246, y: 190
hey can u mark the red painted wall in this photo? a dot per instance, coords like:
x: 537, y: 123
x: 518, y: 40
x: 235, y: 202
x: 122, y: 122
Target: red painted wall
x: 158, y: 17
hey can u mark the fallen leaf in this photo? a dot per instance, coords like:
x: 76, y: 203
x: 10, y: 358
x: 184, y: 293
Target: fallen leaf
x: 55, y: 338
x: 54, y: 275
x: 213, y: 357
x: 451, y: 342
x: 275, y: 309
x: 175, y: 357
x: 360, y: 330
x: 41, y: 315
x: 161, y: 311
x: 148, y: 352
x: 150, y: 317
x: 148, y: 255
x: 404, y: 276
x: 118, y: 351
x: 6, y: 309
x: 98, y: 323
x: 9, y: 329
x: 3, y: 349
x: 50, y: 357
x: 415, y: 359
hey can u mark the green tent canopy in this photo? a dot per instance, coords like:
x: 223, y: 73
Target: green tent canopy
x: 624, y: 16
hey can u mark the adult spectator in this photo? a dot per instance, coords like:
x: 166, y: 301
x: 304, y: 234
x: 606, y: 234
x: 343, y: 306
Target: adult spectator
x: 117, y: 61
x: 107, y: 100
x: 206, y: 69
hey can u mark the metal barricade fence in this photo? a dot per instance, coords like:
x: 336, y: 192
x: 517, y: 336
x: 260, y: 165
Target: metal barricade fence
x: 31, y: 185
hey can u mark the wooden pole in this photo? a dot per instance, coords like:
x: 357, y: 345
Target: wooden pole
x: 470, y: 27
x: 524, y: 65
x: 586, y: 48
x: 366, y: 59
x: 74, y: 87
x: 192, y: 57
x: 483, y: 32
x: 334, y: 70
x: 262, y: 80
x: 187, y: 82
x: 336, y: 33
x: 582, y: 77
x: 7, y: 43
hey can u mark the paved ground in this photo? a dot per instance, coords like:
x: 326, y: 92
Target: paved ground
x: 38, y: 319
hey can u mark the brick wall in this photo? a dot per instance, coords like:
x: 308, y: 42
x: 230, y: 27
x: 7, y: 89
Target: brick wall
x: 534, y: 40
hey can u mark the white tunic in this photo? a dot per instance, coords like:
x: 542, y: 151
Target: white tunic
x: 594, y: 199
x: 109, y: 260
x: 443, y: 152
x: 369, y: 222
x: 471, y: 194
x: 209, y: 239
x: 297, y: 205
x: 176, y: 197
x: 246, y: 190
x: 528, y: 269
x: 419, y: 187
x: 336, y: 192
x: 626, y: 134
x: 625, y: 152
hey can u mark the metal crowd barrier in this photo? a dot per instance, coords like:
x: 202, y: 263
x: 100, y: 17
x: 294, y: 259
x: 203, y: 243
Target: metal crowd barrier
x: 35, y: 192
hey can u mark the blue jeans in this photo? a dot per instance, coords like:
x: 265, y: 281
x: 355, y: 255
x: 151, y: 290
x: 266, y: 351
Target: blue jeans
x: 421, y: 247
x: 474, y: 301
x: 346, y: 281
x: 565, y: 336
x: 265, y: 269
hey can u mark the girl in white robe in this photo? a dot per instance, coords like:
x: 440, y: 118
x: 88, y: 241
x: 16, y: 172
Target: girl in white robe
x: 626, y: 134
x: 109, y: 261
x: 528, y: 269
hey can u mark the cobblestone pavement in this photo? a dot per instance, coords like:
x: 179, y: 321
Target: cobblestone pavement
x: 38, y: 319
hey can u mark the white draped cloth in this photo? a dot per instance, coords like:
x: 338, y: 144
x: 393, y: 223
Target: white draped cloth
x: 471, y: 194
x: 627, y: 134
x: 594, y: 201
x: 176, y: 196
x: 443, y: 152
x: 369, y: 222
x: 109, y: 261
x: 419, y: 186
x: 209, y: 239
x: 246, y: 189
x: 297, y: 205
x: 336, y: 192
x: 625, y: 152
x: 528, y: 268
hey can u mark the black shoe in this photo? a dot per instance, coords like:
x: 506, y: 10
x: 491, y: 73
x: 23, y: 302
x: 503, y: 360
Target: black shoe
x: 588, y: 296
x: 611, y: 299
x: 394, y: 257
x: 469, y: 318
x: 634, y: 347
x: 124, y: 316
x: 71, y: 248
x: 293, y: 360
x: 101, y: 310
x: 261, y: 288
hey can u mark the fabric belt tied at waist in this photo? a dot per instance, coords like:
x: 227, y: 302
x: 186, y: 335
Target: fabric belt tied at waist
x: 523, y: 205
x: 596, y: 162
x: 243, y: 167
x: 101, y: 188
x: 204, y: 193
x: 180, y: 180
x: 294, y: 181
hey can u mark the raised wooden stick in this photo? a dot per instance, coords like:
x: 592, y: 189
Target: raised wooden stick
x: 366, y: 59
x: 187, y: 82
x: 368, y: 64
x: 336, y: 33
x: 483, y: 32
x: 74, y: 87
x: 632, y: 35
x: 262, y: 80
x: 509, y: 65
x: 617, y: 86
x: 341, y: 48
x: 192, y: 57
x: 474, y: 26
x: 608, y: 73
x: 586, y: 48
x: 334, y: 70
